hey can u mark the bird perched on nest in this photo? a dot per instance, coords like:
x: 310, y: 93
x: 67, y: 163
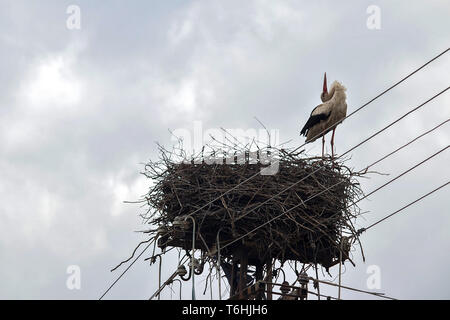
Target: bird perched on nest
x: 326, y: 116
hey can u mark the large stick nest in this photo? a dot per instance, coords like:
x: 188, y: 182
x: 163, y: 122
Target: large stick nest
x: 308, y: 224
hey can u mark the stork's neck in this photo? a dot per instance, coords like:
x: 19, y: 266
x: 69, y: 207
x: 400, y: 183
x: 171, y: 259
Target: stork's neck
x: 331, y: 93
x: 326, y: 96
x: 339, y: 95
x: 337, y: 92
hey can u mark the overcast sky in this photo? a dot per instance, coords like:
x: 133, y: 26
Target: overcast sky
x: 81, y: 110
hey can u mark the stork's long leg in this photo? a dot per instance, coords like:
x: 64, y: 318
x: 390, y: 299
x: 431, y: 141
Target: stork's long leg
x: 323, y: 146
x: 332, y: 143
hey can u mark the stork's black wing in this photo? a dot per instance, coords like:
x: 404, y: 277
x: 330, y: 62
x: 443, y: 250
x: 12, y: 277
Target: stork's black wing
x: 313, y: 120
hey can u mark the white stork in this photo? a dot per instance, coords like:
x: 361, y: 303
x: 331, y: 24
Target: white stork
x: 326, y: 116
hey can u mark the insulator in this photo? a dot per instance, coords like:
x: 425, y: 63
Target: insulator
x: 196, y: 263
x: 198, y: 267
x: 284, y: 289
x: 163, y: 241
x: 181, y: 271
x: 303, y: 278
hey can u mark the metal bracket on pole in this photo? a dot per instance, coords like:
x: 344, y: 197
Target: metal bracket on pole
x: 192, y: 257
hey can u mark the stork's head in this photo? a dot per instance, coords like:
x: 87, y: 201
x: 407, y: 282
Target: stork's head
x: 324, y: 95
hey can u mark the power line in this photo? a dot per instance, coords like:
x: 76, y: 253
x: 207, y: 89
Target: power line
x: 357, y: 110
x: 296, y: 288
x: 112, y: 285
x: 404, y: 207
x: 132, y: 255
x: 400, y: 175
x: 381, y: 295
x: 407, y: 144
x: 130, y: 264
x: 398, y: 119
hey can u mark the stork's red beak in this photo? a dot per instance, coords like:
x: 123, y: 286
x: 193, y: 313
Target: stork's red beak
x: 325, y: 90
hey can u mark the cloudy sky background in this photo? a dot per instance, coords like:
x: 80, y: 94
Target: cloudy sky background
x: 81, y: 110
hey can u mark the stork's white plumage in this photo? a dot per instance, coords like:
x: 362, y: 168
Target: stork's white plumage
x: 326, y: 116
